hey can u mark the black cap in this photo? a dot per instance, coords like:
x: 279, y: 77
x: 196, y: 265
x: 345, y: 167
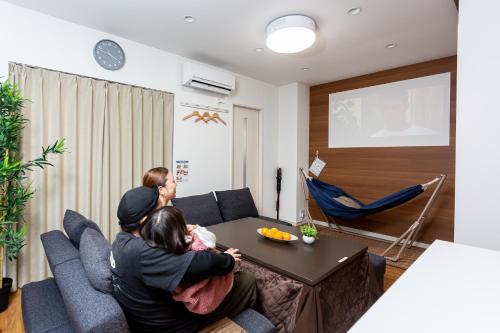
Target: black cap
x: 136, y: 203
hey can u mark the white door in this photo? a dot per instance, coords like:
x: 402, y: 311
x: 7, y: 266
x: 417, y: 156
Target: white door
x: 246, y: 150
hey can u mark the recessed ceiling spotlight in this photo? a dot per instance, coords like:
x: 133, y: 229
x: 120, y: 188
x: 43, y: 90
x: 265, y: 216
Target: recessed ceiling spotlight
x: 305, y: 69
x: 259, y: 49
x: 354, y: 11
x: 291, y: 34
x: 391, y: 45
x: 189, y: 19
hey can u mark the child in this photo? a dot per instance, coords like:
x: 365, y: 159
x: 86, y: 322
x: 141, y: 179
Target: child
x: 202, y: 297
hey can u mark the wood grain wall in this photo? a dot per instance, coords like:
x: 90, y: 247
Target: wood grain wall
x: 372, y: 173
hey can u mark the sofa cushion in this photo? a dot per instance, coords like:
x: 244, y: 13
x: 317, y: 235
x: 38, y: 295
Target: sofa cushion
x: 236, y: 204
x: 199, y: 209
x: 94, y: 254
x: 43, y: 308
x: 75, y: 224
x: 89, y: 310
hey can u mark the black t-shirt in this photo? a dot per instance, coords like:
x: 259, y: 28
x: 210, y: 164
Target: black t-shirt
x: 145, y: 278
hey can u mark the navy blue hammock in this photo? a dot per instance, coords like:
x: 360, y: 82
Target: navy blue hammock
x: 335, y: 202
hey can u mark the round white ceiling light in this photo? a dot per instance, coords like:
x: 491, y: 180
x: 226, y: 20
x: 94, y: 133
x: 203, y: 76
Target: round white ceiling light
x: 391, y: 45
x: 259, y: 49
x: 189, y: 19
x: 354, y: 11
x: 291, y: 34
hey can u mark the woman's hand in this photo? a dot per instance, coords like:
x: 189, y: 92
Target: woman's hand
x: 190, y: 227
x: 234, y: 253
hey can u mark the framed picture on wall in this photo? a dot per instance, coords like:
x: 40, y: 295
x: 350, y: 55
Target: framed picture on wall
x: 412, y: 112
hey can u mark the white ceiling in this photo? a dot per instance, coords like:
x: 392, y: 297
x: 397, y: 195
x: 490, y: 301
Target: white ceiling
x: 227, y: 32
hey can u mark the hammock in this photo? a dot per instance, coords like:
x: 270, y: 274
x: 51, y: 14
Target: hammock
x: 337, y: 203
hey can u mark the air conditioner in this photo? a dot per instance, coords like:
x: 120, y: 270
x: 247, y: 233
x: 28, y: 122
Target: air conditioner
x: 206, y: 78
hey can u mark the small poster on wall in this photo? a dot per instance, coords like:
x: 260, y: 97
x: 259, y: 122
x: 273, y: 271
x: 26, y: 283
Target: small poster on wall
x: 182, y: 171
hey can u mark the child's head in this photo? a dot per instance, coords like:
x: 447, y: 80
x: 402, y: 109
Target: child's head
x: 166, y: 228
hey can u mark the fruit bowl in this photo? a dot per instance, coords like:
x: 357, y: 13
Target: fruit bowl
x: 292, y: 237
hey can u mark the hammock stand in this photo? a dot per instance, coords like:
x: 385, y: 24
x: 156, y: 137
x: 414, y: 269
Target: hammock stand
x: 407, y: 238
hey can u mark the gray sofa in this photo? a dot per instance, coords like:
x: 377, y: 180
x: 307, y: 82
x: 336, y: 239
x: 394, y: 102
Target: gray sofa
x: 70, y: 302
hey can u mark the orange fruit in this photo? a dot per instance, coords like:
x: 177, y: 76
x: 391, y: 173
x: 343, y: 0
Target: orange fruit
x: 274, y: 229
x: 287, y: 236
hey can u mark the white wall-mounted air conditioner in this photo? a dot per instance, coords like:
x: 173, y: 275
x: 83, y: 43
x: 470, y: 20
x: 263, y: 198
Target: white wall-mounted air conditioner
x: 206, y: 78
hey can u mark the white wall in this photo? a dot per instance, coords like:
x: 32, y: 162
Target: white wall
x: 302, y: 140
x: 35, y: 39
x: 477, y: 221
x: 293, y: 146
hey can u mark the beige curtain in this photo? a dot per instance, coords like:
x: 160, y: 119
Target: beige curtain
x: 114, y: 133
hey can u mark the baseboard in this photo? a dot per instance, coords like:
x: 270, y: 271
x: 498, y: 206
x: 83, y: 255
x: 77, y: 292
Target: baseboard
x: 364, y: 233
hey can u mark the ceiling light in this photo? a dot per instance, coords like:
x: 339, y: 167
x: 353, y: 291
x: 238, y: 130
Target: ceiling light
x: 189, y: 19
x: 354, y: 11
x: 291, y: 34
x: 391, y: 46
x: 259, y: 49
x: 305, y: 68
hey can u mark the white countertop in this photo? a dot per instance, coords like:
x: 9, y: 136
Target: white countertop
x: 450, y: 288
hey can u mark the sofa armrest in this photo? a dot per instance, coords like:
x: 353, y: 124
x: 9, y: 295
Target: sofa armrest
x: 58, y: 248
x: 254, y: 322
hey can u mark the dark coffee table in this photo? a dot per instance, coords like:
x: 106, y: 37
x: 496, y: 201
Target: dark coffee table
x: 300, y: 287
x: 309, y: 264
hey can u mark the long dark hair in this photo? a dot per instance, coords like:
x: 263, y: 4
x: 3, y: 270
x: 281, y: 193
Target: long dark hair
x: 166, y: 228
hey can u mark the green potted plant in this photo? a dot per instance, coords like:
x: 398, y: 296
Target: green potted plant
x: 309, y: 232
x: 15, y: 190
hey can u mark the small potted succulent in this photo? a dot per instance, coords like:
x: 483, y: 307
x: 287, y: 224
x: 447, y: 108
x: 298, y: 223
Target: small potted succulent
x: 309, y: 232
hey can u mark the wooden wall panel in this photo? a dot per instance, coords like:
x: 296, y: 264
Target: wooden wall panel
x: 372, y: 173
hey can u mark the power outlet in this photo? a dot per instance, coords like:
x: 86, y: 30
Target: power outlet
x: 302, y: 214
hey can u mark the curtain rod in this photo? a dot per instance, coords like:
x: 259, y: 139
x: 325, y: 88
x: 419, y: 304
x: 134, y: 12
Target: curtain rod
x: 90, y: 77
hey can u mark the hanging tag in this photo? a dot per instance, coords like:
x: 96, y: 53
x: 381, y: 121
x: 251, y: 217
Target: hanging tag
x: 317, y: 166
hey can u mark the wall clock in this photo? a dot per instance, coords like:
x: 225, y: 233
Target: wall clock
x: 109, y: 55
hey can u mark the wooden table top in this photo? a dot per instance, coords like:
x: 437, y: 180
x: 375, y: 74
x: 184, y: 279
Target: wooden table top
x: 309, y: 264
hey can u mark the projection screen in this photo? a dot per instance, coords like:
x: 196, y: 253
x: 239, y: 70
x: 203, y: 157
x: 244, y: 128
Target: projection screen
x: 412, y: 112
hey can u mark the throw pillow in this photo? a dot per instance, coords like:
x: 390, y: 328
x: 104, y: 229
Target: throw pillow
x: 75, y: 224
x: 236, y: 204
x: 94, y: 254
x: 199, y: 209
